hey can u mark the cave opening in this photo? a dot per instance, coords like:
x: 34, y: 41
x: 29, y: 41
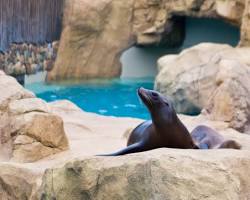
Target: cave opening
x: 139, y: 62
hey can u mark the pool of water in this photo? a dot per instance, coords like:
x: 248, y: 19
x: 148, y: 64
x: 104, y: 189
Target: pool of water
x: 116, y: 97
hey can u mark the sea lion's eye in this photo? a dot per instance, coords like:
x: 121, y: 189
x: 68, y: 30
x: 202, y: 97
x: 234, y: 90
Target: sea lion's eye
x: 154, y: 94
x: 166, y: 103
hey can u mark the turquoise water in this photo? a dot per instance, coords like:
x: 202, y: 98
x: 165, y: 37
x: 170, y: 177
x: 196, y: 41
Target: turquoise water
x: 106, y: 97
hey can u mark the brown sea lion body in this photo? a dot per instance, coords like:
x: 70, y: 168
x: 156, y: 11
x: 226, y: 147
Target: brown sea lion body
x: 207, y: 138
x: 164, y: 130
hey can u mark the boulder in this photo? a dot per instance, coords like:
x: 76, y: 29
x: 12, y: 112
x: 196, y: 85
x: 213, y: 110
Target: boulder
x: 158, y: 175
x: 37, y: 135
x: 11, y: 90
x: 28, y: 129
x: 17, y: 182
x: 211, y: 77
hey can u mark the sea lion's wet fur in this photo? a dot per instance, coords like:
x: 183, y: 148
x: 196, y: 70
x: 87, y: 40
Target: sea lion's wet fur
x: 207, y: 138
x: 164, y: 130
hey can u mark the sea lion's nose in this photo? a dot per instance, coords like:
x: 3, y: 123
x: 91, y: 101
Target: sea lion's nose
x: 141, y: 89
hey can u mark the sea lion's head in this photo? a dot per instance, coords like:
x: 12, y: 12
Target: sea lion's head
x: 157, y: 104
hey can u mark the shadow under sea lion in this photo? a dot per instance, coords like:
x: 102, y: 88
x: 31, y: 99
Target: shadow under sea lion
x: 207, y: 138
x: 164, y: 130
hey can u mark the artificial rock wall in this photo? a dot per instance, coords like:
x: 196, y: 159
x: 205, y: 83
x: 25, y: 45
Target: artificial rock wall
x: 96, y: 32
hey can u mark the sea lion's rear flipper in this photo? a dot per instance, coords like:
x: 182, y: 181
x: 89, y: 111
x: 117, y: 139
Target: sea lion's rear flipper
x: 133, y: 148
x: 230, y: 144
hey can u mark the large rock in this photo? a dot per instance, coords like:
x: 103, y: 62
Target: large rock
x: 17, y: 182
x: 38, y: 135
x: 11, y: 90
x: 210, y: 76
x: 96, y: 32
x: 28, y: 129
x: 157, y: 175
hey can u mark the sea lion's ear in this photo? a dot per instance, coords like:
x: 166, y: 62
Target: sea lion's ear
x: 230, y: 144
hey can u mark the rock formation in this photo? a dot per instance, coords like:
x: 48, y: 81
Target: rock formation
x: 28, y: 130
x: 245, y: 29
x: 31, y: 129
x: 96, y: 32
x: 210, y: 76
x: 157, y: 175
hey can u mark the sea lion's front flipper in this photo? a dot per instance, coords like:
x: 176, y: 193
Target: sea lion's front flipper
x: 230, y: 144
x: 133, y: 148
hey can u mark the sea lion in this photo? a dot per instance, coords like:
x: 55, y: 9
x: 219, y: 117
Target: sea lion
x: 164, y: 130
x: 207, y: 138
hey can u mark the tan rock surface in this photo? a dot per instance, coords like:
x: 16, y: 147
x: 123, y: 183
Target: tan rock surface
x: 210, y: 76
x: 28, y: 105
x: 16, y: 182
x: 245, y: 29
x: 167, y: 172
x: 28, y: 131
x: 158, y: 175
x: 44, y: 136
x: 11, y: 90
x: 96, y: 32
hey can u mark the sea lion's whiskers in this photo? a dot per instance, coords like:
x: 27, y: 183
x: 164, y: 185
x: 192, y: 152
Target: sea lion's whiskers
x: 149, y: 100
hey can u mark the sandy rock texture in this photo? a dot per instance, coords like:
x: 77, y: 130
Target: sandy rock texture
x: 30, y: 172
x: 95, y: 33
x: 211, y: 77
x: 157, y: 175
x: 28, y: 129
x: 160, y: 174
x: 17, y: 182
